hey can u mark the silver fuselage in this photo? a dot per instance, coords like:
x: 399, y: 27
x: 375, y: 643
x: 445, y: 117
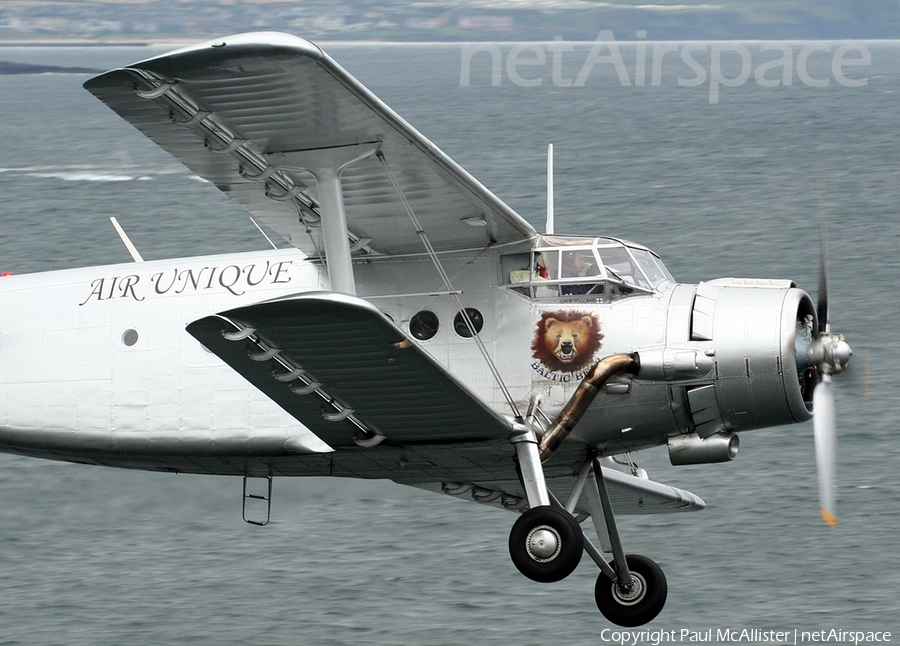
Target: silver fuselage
x: 97, y: 362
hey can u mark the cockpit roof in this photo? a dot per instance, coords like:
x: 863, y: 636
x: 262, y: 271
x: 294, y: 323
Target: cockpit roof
x: 553, y: 240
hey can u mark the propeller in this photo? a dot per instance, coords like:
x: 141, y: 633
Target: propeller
x: 829, y: 353
x: 826, y: 446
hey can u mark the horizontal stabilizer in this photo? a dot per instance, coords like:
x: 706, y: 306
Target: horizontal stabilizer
x: 343, y: 369
x: 632, y: 495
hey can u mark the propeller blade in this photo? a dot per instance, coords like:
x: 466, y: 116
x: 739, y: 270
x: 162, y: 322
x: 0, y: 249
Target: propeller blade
x: 822, y: 304
x: 826, y: 447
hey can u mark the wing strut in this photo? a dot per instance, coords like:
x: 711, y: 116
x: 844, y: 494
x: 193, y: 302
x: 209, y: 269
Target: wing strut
x: 449, y: 286
x: 326, y: 164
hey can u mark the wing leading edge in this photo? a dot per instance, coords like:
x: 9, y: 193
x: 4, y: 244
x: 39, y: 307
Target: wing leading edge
x: 229, y: 110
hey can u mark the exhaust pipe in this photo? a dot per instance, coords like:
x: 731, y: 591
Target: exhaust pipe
x: 568, y: 417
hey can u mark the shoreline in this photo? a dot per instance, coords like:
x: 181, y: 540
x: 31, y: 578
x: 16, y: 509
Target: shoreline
x: 184, y: 42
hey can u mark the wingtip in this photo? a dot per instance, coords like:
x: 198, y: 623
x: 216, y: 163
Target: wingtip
x: 828, y: 517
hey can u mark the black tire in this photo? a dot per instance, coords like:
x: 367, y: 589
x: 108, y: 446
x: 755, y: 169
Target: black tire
x: 546, y: 544
x: 643, y: 603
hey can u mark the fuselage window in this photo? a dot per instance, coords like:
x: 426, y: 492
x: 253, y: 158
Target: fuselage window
x: 424, y: 325
x: 475, y: 318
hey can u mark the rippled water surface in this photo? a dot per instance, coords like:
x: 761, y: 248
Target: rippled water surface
x: 98, y: 556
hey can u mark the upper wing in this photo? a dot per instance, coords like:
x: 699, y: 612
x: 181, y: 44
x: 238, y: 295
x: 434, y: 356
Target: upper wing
x: 224, y: 107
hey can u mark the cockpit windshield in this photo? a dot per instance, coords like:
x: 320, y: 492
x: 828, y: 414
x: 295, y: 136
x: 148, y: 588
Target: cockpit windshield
x: 654, y: 269
x: 590, y: 268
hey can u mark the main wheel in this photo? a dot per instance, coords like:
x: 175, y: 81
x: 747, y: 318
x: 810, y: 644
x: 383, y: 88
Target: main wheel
x: 640, y: 603
x: 546, y: 544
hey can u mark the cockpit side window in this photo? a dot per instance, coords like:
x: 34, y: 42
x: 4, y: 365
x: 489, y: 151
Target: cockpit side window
x: 546, y: 264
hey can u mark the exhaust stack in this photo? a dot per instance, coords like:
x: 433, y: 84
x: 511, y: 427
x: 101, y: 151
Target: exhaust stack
x: 568, y: 417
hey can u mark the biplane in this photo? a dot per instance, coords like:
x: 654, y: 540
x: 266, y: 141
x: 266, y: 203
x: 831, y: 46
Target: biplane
x: 416, y: 329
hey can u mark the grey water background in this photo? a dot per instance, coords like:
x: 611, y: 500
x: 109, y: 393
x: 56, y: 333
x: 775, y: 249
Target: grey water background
x: 100, y: 556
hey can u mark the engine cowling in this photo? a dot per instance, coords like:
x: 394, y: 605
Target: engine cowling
x: 732, y: 356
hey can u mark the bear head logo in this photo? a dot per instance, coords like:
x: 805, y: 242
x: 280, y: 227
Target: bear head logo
x: 566, y: 341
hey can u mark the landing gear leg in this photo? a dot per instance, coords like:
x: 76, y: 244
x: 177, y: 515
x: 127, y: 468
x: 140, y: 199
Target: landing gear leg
x: 546, y: 543
x: 638, y: 591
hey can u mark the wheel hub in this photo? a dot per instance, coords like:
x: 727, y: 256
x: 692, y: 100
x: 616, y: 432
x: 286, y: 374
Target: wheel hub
x: 543, y: 544
x: 630, y: 595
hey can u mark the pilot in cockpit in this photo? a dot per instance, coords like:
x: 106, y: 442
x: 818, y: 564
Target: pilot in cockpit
x: 575, y: 264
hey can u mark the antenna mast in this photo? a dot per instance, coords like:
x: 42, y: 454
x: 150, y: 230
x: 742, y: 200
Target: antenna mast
x: 549, y: 227
x: 135, y: 254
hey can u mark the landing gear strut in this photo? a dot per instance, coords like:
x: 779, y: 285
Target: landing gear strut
x: 546, y: 542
